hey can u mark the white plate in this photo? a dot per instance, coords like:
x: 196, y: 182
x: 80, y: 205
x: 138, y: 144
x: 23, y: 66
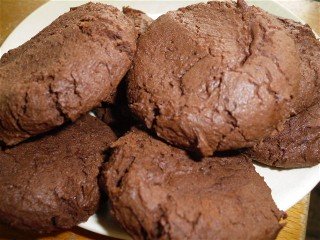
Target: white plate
x: 288, y: 186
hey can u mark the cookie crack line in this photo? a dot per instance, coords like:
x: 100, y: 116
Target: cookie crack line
x: 17, y: 121
x: 55, y: 98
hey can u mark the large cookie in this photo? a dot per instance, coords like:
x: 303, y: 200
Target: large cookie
x: 64, y: 71
x: 309, y: 51
x: 297, y: 144
x: 51, y: 182
x: 158, y: 192
x: 215, y: 76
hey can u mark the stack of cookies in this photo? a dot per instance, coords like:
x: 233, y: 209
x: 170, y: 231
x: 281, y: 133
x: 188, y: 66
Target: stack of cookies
x: 164, y: 116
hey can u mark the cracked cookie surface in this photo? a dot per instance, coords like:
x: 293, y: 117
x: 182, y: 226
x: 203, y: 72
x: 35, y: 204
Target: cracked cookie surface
x: 296, y: 145
x: 297, y: 142
x: 308, y: 47
x: 158, y: 192
x: 51, y: 183
x: 64, y: 71
x: 215, y: 76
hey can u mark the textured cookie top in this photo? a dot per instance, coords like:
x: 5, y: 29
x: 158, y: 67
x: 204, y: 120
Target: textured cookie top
x: 309, y: 51
x: 159, y: 192
x: 64, y: 71
x: 51, y: 182
x: 214, y: 76
x: 296, y: 144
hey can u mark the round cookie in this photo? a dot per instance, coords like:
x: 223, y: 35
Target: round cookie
x: 51, y: 183
x: 64, y: 71
x: 158, y: 192
x: 309, y: 51
x: 296, y: 145
x: 215, y: 76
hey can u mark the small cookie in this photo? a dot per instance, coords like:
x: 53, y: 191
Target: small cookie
x: 296, y: 145
x: 309, y: 51
x: 51, y: 183
x: 64, y: 71
x: 214, y: 76
x: 158, y: 192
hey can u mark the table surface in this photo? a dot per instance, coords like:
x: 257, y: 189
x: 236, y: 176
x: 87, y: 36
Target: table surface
x: 12, y: 12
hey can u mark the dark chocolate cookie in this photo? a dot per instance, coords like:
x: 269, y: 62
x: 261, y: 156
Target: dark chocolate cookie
x: 158, y: 192
x: 51, y: 183
x: 309, y: 51
x: 297, y: 144
x: 64, y: 71
x: 215, y: 76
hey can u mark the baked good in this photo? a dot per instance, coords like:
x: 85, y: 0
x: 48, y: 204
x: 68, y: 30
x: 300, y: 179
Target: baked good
x: 158, y: 192
x: 51, y: 183
x: 214, y: 76
x: 309, y: 51
x: 296, y: 144
x: 64, y: 71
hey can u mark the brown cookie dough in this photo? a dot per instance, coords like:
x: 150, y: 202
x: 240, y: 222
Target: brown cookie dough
x: 297, y: 144
x: 214, y: 76
x: 309, y: 51
x: 51, y: 182
x: 140, y: 19
x: 158, y: 192
x: 64, y: 71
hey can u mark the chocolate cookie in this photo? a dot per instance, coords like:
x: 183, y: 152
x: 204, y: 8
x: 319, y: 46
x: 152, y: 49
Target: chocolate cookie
x: 297, y: 144
x: 51, y: 183
x: 64, y: 71
x: 215, y: 76
x: 159, y: 192
x: 309, y: 51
